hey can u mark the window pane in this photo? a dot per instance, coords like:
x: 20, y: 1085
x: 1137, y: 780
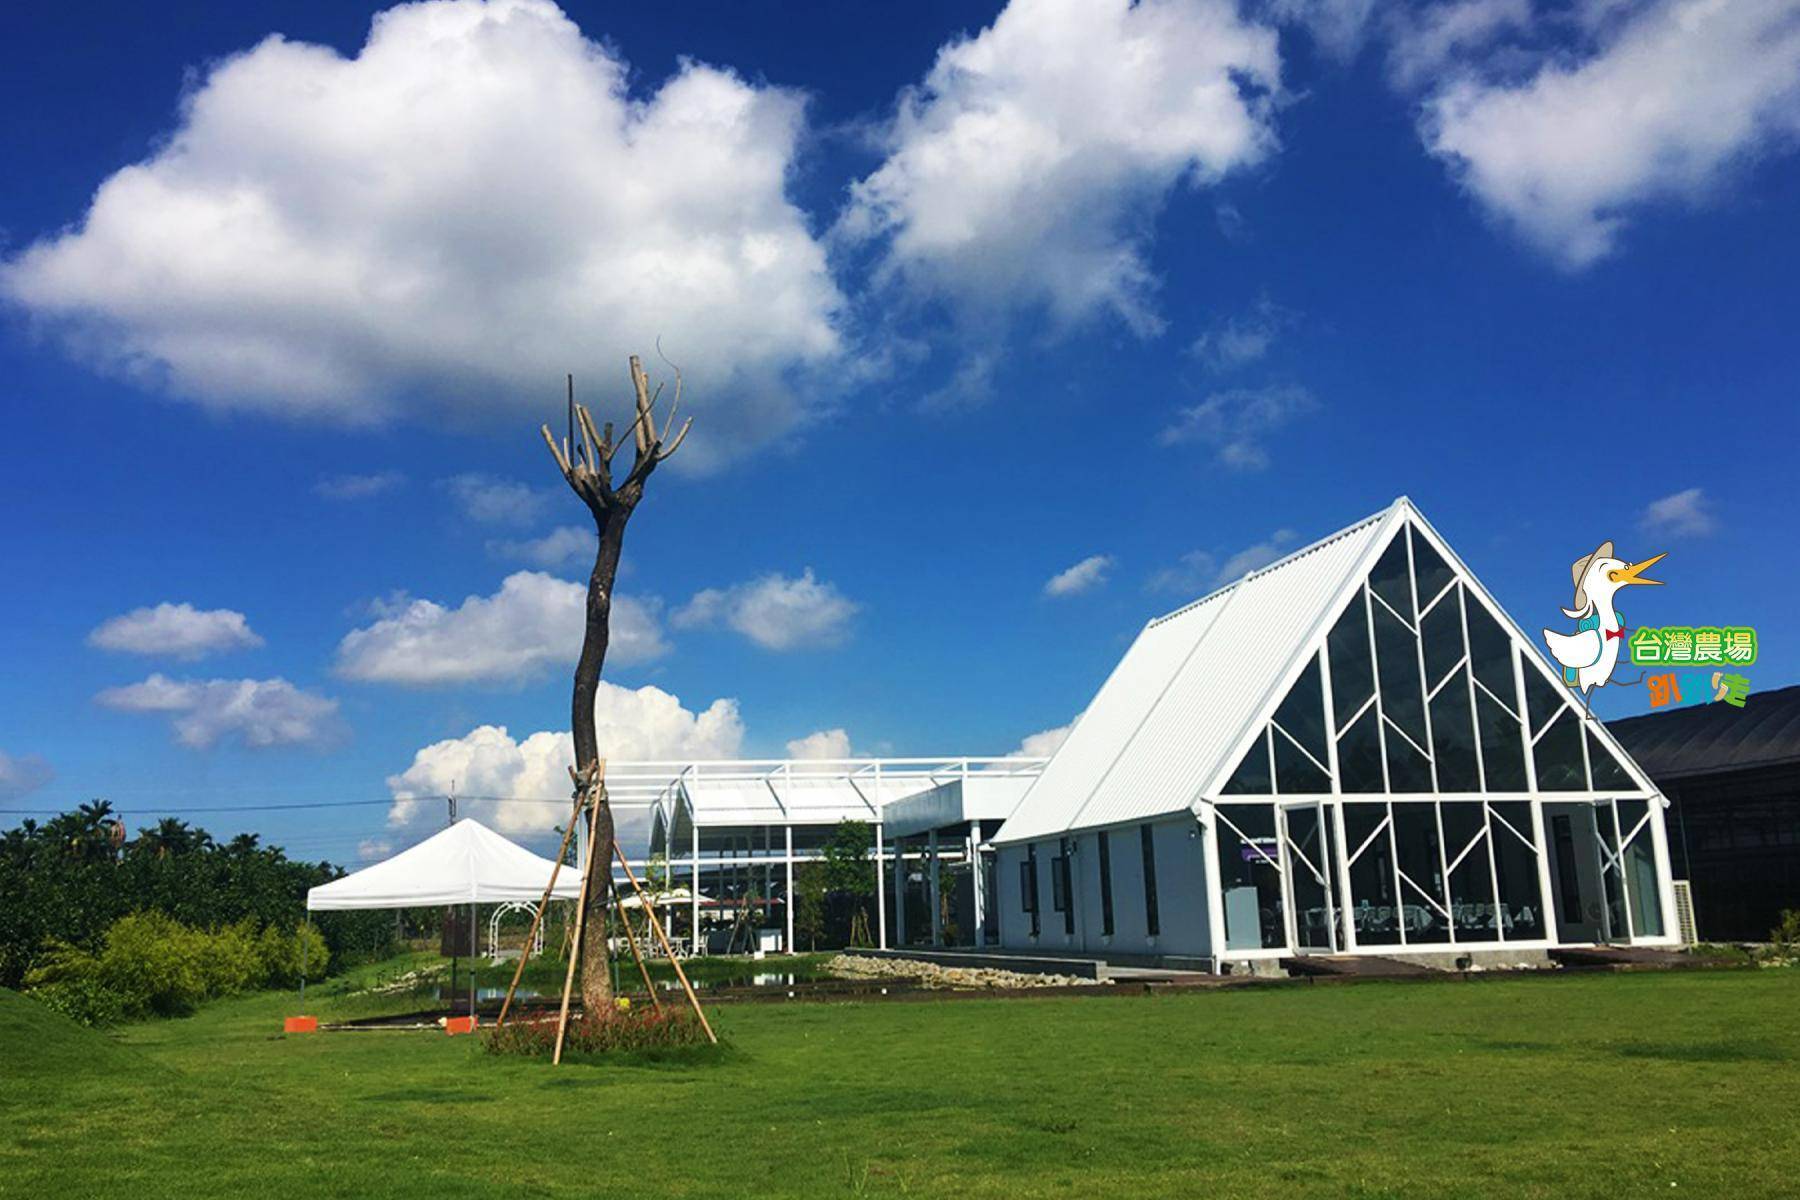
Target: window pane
x: 1640, y: 871
x: 1408, y: 770
x: 1441, y: 630
x: 1296, y: 774
x: 1608, y: 771
x: 1541, y: 698
x: 1502, y: 747
x: 1352, y: 671
x: 1453, y: 737
x: 1374, y: 911
x: 1397, y: 665
x: 1251, y: 885
x: 1152, y: 914
x: 1416, y: 846
x: 1612, y: 877
x: 1557, y: 756
x: 1359, y: 756
x: 1490, y: 651
x: 1252, y: 776
x: 1521, y: 898
x: 1471, y: 880
x: 1106, y: 904
x: 1392, y: 578
x: 1302, y: 714
x: 1309, y: 867
x: 1430, y: 571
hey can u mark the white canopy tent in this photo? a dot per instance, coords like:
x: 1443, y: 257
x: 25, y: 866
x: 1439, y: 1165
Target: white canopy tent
x: 468, y: 863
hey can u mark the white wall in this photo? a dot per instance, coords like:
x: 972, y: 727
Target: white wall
x: 1180, y: 887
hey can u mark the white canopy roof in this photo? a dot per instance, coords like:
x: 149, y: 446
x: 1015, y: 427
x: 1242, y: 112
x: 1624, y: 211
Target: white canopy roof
x: 467, y: 863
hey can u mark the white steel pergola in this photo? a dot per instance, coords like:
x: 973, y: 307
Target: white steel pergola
x: 739, y: 828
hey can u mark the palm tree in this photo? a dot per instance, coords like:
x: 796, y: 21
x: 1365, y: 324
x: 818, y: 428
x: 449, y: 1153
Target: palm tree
x: 168, y: 836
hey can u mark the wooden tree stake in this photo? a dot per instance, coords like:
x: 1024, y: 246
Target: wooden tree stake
x: 656, y: 927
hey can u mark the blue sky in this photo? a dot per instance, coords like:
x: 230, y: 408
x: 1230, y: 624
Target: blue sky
x: 965, y: 296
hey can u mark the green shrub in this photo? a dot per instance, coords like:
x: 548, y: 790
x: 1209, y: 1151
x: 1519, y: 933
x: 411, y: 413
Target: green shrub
x: 1786, y: 935
x: 281, y: 953
x: 152, y: 965
x: 82, y: 999
x: 620, y: 1030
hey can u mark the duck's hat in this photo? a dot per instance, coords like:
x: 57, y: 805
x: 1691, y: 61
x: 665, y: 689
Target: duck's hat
x: 1580, y: 569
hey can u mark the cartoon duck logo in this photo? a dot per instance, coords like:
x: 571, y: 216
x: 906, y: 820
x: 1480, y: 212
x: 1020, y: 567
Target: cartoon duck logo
x: 1589, y: 655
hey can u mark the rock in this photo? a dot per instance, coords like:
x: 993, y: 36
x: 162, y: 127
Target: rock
x: 935, y: 975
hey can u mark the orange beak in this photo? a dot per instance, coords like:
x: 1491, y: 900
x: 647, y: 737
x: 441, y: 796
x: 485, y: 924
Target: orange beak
x: 1633, y: 573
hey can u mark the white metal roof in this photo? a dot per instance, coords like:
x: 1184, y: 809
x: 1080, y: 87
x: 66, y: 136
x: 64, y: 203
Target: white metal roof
x: 1191, y: 685
x: 985, y: 797
x: 776, y: 792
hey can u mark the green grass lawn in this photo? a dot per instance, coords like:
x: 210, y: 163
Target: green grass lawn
x: 1598, y: 1085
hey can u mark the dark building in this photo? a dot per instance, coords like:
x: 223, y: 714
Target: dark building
x: 1732, y: 776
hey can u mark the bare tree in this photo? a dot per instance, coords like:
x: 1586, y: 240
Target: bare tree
x: 585, y: 459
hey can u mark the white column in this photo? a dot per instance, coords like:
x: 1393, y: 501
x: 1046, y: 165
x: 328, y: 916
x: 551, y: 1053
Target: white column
x: 931, y: 880
x: 880, y: 889
x: 788, y: 830
x: 694, y: 892
x: 1215, y: 892
x: 900, y: 891
x: 975, y: 878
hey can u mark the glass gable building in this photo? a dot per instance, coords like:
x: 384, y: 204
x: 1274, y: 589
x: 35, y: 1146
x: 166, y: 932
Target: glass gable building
x: 1352, y: 750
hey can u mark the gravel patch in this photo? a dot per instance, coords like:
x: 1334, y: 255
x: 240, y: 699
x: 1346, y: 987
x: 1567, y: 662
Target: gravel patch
x: 934, y: 975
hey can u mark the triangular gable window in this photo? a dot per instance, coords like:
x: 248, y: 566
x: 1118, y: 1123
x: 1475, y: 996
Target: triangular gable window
x: 1252, y: 775
x: 1424, y: 698
x: 1609, y: 772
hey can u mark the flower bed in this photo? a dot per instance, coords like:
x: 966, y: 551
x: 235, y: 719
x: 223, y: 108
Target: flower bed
x: 620, y: 1030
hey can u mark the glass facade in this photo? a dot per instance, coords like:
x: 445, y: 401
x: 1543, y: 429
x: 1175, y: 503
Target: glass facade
x: 1425, y: 744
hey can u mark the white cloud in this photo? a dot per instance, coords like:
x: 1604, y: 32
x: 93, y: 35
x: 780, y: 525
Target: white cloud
x: 177, y: 630
x: 1089, y: 573
x: 533, y: 623
x: 494, y: 501
x: 370, y: 849
x: 1674, y: 95
x: 444, y: 224
x: 1043, y: 743
x: 775, y: 612
x: 1026, y: 168
x: 822, y: 743
x: 1236, y: 422
x: 533, y: 772
x: 1428, y: 42
x: 1198, y: 571
x: 21, y: 774
x: 1240, y: 340
x: 562, y: 546
x: 1685, y: 514
x: 258, y: 713
x: 1337, y: 26
x: 357, y: 487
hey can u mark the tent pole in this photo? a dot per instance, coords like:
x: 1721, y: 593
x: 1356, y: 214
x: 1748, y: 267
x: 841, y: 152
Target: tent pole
x: 303, y: 963
x: 474, y: 957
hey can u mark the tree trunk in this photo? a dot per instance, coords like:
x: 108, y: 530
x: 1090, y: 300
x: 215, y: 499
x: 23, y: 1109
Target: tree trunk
x: 596, y: 973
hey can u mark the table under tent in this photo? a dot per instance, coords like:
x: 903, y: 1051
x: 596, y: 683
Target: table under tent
x: 468, y: 863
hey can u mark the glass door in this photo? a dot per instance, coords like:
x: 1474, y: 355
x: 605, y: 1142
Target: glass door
x: 1312, y: 877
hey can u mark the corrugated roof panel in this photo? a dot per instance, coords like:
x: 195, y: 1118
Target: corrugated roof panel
x: 1227, y: 682
x: 1186, y: 691
x: 1116, y: 711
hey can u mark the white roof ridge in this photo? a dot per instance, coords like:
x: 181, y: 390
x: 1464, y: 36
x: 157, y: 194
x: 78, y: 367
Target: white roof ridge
x: 1279, y: 563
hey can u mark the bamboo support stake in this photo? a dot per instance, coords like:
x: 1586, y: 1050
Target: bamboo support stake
x: 538, y: 919
x: 587, y: 876
x: 656, y: 927
x: 631, y: 940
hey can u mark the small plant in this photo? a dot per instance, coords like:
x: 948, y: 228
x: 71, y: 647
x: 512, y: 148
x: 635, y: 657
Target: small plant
x: 618, y: 1029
